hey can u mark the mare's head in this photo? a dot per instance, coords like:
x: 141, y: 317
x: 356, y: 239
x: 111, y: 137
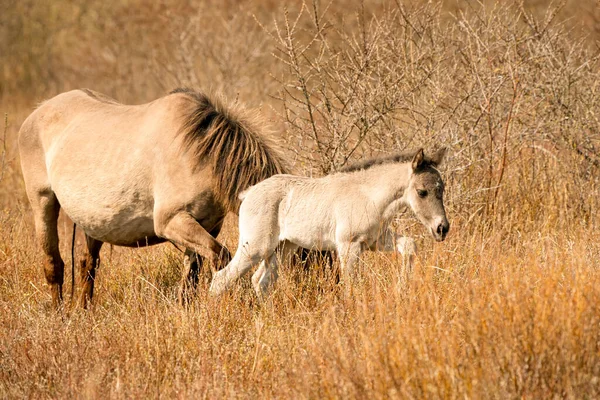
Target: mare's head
x: 425, y: 193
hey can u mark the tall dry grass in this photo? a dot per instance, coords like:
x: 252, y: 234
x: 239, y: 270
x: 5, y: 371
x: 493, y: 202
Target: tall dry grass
x: 506, y: 307
x: 481, y: 318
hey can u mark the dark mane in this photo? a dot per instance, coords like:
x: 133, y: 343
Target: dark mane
x: 227, y: 139
x: 388, y: 159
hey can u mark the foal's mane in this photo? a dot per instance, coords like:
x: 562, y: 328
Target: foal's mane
x: 99, y: 96
x: 387, y: 159
x: 230, y: 141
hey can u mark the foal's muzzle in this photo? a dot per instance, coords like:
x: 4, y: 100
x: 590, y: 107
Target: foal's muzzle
x: 441, y: 231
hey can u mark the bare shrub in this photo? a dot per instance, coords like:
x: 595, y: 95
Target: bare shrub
x: 511, y: 93
x: 347, y: 82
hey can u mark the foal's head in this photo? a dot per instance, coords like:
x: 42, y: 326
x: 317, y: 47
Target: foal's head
x: 425, y: 193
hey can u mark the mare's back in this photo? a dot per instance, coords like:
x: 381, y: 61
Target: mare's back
x: 101, y: 155
x: 81, y: 134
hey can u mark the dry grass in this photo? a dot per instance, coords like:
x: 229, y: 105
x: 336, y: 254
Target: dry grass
x: 507, y: 307
x: 480, y: 319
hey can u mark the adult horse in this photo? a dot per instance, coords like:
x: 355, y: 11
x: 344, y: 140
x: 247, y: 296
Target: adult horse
x: 137, y: 175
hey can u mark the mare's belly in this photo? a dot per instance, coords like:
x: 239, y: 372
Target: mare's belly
x: 133, y: 232
x: 105, y: 192
x: 122, y: 217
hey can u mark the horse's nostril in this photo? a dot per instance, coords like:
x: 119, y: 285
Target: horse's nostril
x: 443, y: 229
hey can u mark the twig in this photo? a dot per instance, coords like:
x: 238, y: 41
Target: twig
x: 506, y: 133
x: 3, y: 156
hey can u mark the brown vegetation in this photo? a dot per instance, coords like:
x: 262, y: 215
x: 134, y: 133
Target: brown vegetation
x: 508, y: 306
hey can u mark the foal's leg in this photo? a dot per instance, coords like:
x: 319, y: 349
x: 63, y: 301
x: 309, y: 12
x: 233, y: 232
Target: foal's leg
x: 245, y: 258
x: 250, y: 251
x: 258, y: 274
x: 348, y: 253
x: 408, y: 248
x: 45, y: 208
x: 259, y: 237
x: 89, y: 264
x: 267, y: 274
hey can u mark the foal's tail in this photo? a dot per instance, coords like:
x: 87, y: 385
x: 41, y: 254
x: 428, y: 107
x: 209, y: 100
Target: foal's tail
x: 242, y: 195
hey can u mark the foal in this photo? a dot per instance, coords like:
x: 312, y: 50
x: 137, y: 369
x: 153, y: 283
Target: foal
x: 347, y: 211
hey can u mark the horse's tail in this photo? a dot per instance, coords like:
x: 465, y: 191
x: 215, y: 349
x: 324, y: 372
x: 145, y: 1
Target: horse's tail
x: 73, y: 263
x: 241, y: 156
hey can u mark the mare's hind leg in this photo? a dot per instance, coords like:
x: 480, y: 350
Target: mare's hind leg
x: 45, y: 208
x: 89, y: 264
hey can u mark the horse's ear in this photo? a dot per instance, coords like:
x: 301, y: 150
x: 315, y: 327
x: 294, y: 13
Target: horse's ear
x: 438, y: 157
x: 418, y: 159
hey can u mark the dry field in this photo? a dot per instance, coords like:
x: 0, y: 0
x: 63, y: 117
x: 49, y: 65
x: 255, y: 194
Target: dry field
x: 507, y: 307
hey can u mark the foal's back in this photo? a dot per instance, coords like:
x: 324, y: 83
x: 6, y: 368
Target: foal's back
x: 306, y: 211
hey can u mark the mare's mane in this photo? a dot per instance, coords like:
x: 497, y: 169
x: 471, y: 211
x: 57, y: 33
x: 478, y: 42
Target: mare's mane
x: 226, y: 138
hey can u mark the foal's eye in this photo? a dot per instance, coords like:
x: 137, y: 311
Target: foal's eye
x: 422, y: 193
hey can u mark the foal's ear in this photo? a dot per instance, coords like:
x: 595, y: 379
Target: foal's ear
x: 418, y: 159
x: 438, y: 157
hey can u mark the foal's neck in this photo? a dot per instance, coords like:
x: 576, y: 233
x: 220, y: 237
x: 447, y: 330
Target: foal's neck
x: 387, y: 182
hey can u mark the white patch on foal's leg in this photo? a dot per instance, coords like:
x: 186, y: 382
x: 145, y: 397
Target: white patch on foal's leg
x: 348, y: 253
x: 257, y: 275
x: 239, y: 265
x: 407, y: 247
x: 268, y: 276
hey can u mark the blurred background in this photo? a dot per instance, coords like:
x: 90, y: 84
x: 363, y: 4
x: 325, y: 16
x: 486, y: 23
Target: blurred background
x: 510, y: 87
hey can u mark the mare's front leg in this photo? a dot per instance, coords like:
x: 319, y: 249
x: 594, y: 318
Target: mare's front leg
x: 192, y: 265
x: 182, y: 229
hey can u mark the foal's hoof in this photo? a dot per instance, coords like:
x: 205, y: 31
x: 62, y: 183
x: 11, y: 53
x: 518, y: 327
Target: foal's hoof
x: 406, y: 246
x: 217, y: 286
